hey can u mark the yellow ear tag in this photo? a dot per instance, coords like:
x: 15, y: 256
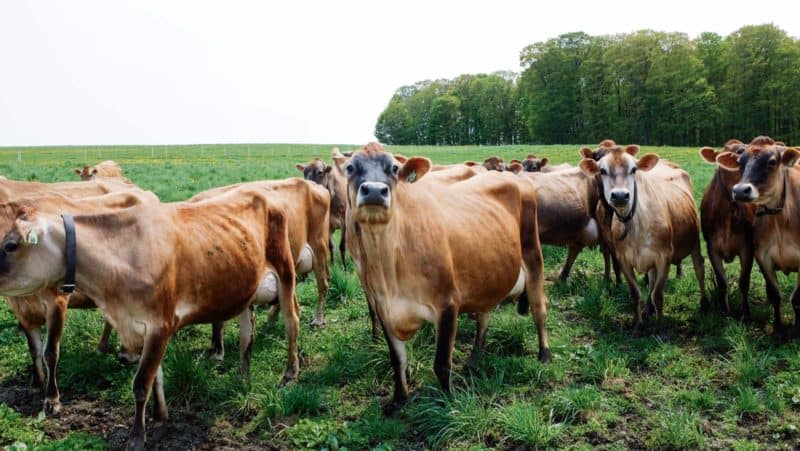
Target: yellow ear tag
x: 32, y: 238
x: 411, y: 177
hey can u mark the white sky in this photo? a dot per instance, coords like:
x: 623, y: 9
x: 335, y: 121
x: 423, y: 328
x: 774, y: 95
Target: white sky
x: 127, y: 72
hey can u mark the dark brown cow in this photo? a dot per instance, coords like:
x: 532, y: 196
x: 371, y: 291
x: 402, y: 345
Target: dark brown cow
x: 334, y: 180
x: 50, y: 307
x: 771, y: 181
x: 653, y: 221
x: 426, y: 252
x: 727, y: 227
x: 533, y: 164
x: 173, y: 265
x: 494, y: 163
x: 106, y: 168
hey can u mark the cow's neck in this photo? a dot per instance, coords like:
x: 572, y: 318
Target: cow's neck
x: 379, y: 249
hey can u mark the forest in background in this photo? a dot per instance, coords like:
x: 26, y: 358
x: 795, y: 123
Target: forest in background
x: 648, y: 87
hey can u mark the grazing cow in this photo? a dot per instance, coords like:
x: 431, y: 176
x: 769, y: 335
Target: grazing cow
x: 333, y: 179
x: 649, y: 220
x: 173, y: 265
x: 426, y: 252
x: 49, y: 306
x: 771, y: 181
x: 727, y: 227
x: 106, y: 168
x: 566, y: 202
x: 533, y: 164
x: 305, y: 205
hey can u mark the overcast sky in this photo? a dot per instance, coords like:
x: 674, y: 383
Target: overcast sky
x: 126, y: 72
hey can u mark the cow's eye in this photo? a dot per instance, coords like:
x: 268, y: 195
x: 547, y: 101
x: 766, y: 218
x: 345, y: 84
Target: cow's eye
x: 350, y: 169
x: 603, y: 171
x: 395, y: 169
x: 10, y: 246
x: 633, y: 170
x: 772, y: 162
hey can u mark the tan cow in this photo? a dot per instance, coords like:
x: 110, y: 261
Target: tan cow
x: 106, y: 168
x: 333, y: 179
x: 727, y: 227
x: 770, y: 180
x: 50, y: 307
x: 173, y: 265
x: 426, y: 252
x: 305, y: 205
x: 648, y: 220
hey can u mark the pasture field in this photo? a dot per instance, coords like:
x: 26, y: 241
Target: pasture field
x: 705, y: 381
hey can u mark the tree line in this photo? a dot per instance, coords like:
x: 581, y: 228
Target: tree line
x: 648, y: 87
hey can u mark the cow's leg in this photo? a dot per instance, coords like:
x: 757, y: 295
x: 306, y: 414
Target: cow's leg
x: 56, y: 315
x: 720, y: 278
x: 633, y: 286
x: 796, y: 308
x: 247, y: 333
x: 679, y: 269
x: 342, y: 245
x: 399, y: 359
x: 650, y: 281
x: 217, y: 340
x: 572, y: 253
x: 155, y: 343
x: 322, y: 277
x: 102, y: 345
x: 445, y: 340
x: 700, y: 274
x: 606, y: 262
x: 617, y: 268
x: 330, y: 247
x: 373, y: 318
x: 534, y: 282
x: 481, y: 326
x: 658, y: 281
x: 34, y: 338
x: 746, y: 260
x: 160, y: 412
x: 773, y: 294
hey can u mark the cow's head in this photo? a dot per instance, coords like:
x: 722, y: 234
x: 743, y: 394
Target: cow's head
x: 760, y: 166
x: 494, y: 163
x: 602, y: 149
x: 27, y: 251
x: 617, y: 173
x: 533, y: 164
x: 87, y: 173
x: 316, y: 171
x: 727, y: 178
x: 373, y: 176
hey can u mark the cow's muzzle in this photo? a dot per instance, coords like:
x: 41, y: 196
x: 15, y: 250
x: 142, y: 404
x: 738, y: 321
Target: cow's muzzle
x: 744, y: 192
x: 373, y: 194
x: 620, y: 197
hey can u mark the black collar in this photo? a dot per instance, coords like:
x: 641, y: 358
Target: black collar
x: 609, y: 209
x: 72, y: 260
x: 763, y: 210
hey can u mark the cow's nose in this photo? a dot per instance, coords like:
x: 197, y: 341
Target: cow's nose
x: 620, y: 196
x: 743, y: 191
x: 373, y: 193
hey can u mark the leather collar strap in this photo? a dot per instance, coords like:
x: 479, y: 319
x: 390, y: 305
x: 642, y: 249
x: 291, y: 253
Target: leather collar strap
x: 72, y: 254
x: 763, y: 210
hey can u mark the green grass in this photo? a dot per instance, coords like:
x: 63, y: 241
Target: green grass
x: 707, y: 381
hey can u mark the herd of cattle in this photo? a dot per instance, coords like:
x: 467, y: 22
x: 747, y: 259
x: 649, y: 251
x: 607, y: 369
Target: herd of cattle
x: 429, y: 242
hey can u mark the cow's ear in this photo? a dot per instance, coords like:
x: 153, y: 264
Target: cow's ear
x: 589, y: 167
x: 585, y: 153
x: 514, y: 167
x: 94, y: 171
x: 30, y: 227
x: 709, y: 154
x: 790, y: 156
x: 647, y: 162
x: 401, y: 158
x: 532, y: 156
x: 543, y: 162
x: 414, y: 169
x: 728, y: 160
x: 632, y: 150
x: 514, y: 161
x: 78, y: 171
x: 470, y: 163
x: 338, y: 158
x: 327, y: 169
x: 299, y: 167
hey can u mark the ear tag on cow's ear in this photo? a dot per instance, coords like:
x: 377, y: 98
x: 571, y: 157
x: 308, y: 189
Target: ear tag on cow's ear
x: 411, y: 177
x: 32, y: 238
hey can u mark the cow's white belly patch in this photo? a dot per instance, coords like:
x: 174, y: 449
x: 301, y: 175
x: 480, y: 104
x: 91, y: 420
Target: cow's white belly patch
x: 267, y: 289
x: 590, y: 234
x: 519, y: 286
x: 305, y: 263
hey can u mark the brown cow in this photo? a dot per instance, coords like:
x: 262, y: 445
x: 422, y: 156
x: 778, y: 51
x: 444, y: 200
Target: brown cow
x: 334, y: 180
x: 653, y: 221
x: 106, y: 168
x: 771, y: 181
x: 173, y: 265
x: 533, y: 164
x: 727, y: 227
x: 48, y: 306
x: 494, y: 163
x: 426, y: 252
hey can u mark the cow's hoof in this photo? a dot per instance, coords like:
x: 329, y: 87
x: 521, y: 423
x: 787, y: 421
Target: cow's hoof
x: 104, y: 348
x: 52, y: 407
x: 135, y: 444
x: 127, y: 357
x: 218, y: 356
x: 318, y: 321
x: 392, y: 408
x: 288, y: 379
x: 544, y: 355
